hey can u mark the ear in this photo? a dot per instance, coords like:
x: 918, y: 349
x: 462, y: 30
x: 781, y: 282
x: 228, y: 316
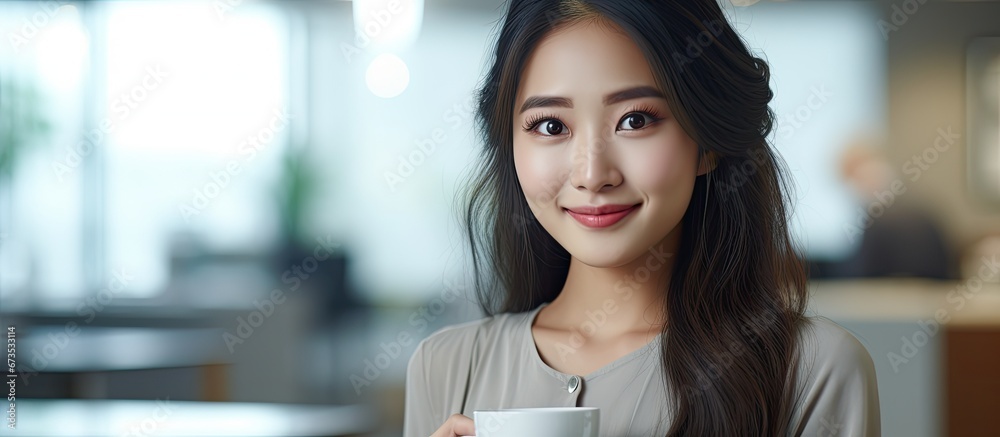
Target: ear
x: 706, y: 163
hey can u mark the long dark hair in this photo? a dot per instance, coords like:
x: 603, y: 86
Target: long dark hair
x: 735, y: 300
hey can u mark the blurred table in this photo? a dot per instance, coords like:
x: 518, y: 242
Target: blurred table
x: 87, y: 351
x: 163, y: 418
x: 103, y: 349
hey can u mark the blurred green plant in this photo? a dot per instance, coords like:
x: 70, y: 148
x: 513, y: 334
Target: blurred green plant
x: 295, y: 190
x: 22, y: 121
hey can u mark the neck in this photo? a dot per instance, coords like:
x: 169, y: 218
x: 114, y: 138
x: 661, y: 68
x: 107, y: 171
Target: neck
x: 618, y: 300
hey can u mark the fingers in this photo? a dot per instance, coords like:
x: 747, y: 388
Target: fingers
x: 456, y: 426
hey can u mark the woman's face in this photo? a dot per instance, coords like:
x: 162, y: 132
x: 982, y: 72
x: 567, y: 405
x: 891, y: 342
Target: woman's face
x: 596, y: 132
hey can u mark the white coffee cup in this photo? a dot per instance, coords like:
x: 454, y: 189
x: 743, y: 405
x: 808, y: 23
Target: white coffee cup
x: 532, y: 422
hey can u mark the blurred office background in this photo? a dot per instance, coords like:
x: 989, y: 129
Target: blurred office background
x: 247, y: 209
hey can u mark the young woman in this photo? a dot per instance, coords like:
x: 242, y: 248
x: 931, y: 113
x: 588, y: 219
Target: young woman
x: 629, y: 235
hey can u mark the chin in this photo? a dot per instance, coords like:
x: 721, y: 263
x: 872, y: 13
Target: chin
x: 605, y: 254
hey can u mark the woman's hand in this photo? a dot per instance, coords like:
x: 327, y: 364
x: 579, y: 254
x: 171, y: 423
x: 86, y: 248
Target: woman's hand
x: 456, y: 426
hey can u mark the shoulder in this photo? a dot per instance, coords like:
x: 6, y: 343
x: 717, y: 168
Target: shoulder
x: 829, y: 348
x: 439, y: 371
x: 462, y: 341
x: 830, y: 340
x: 837, y: 386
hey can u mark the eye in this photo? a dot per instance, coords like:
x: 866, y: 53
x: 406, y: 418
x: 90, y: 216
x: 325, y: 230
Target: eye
x: 549, y: 127
x: 635, y: 121
x: 544, y: 125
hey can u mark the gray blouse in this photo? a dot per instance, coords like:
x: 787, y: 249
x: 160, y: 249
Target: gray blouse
x: 492, y: 363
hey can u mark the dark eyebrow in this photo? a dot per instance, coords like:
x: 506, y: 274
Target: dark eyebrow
x: 545, y: 102
x: 632, y: 93
x: 610, y: 99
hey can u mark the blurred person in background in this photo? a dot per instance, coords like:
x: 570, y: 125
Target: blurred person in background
x: 896, y: 239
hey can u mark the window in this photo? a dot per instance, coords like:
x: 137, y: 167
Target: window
x: 168, y: 123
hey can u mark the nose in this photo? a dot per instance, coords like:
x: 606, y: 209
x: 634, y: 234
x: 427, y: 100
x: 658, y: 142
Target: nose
x: 593, y: 165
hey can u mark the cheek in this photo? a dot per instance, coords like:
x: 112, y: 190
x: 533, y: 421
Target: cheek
x: 665, y: 165
x: 539, y: 174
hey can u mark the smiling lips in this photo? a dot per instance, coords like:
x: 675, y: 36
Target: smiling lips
x: 600, y: 216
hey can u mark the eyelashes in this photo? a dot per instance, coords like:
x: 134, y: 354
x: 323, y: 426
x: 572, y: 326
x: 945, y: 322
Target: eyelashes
x: 532, y: 122
x: 649, y: 110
